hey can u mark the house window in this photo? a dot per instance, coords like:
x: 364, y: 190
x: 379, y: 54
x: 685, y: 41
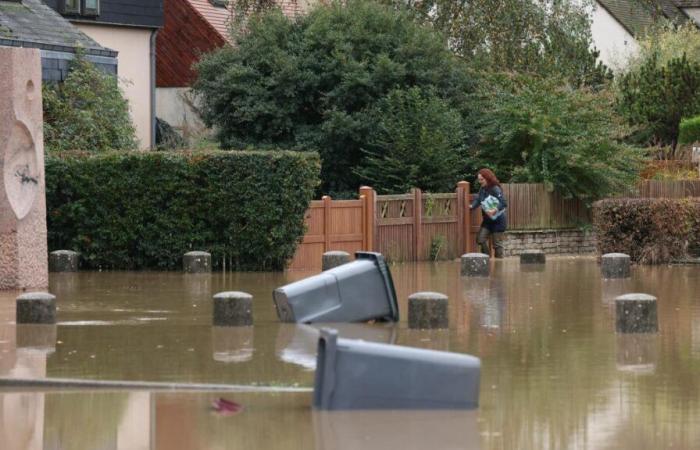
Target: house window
x: 71, y: 7
x: 81, y: 7
x: 91, y: 7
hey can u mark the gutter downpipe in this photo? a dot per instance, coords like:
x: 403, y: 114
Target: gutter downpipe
x: 154, y: 33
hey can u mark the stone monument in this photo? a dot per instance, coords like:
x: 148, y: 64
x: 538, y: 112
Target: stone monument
x: 23, y: 247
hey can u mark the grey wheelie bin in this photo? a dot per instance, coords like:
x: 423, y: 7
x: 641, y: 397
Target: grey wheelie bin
x: 358, y: 291
x: 354, y: 374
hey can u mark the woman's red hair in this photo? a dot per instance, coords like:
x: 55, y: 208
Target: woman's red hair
x: 490, y: 178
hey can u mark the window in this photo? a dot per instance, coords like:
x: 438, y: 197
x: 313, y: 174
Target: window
x: 71, y: 7
x: 81, y: 7
x: 91, y: 7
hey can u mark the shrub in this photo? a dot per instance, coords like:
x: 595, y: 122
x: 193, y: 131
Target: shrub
x: 689, y: 131
x: 417, y: 141
x: 651, y: 231
x: 314, y: 83
x: 86, y: 112
x: 541, y: 131
x: 133, y: 210
x: 655, y: 97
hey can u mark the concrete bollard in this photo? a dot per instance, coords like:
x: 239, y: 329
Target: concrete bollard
x: 475, y: 265
x: 334, y: 258
x: 615, y: 265
x: 36, y: 307
x: 427, y: 310
x: 532, y: 257
x: 233, y: 309
x: 196, y: 262
x: 635, y: 313
x: 63, y: 261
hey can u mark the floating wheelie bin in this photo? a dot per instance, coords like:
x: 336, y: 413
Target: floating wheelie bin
x: 358, y: 291
x: 354, y: 374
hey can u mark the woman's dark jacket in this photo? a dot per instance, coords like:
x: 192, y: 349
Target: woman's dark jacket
x: 499, y: 224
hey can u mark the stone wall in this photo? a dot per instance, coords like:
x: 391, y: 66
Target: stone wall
x: 554, y: 242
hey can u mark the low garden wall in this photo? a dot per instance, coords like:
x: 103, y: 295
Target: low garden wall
x: 573, y: 241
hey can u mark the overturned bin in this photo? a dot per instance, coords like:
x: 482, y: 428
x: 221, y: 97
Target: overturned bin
x: 354, y: 374
x: 354, y: 292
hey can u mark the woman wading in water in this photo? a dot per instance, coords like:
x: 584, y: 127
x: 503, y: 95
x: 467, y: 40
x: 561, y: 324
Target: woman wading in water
x: 493, y: 209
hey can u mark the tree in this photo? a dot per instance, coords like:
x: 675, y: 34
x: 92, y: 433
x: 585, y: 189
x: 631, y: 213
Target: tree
x: 541, y: 131
x: 544, y: 37
x: 656, y: 97
x: 313, y: 83
x: 87, y: 112
x: 418, y: 141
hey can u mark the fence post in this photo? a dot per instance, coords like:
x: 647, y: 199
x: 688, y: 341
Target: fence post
x: 370, y: 216
x: 326, y: 223
x: 463, y: 222
x: 417, y: 223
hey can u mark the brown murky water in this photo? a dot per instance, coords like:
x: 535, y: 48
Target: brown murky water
x: 554, y: 373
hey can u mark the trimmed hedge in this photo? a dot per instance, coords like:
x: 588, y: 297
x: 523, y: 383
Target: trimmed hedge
x: 689, y: 131
x: 134, y: 210
x: 651, y: 231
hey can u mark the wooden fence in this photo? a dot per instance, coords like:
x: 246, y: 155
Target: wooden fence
x: 420, y: 226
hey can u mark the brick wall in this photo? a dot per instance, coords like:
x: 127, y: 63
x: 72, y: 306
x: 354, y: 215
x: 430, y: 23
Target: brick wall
x: 550, y: 241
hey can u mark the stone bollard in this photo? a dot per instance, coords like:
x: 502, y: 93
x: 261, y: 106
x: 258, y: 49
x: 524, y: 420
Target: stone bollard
x: 233, y: 309
x: 427, y: 310
x: 63, y: 261
x: 635, y: 313
x: 532, y: 257
x: 196, y: 262
x: 475, y: 265
x: 615, y: 265
x: 36, y: 307
x: 334, y: 259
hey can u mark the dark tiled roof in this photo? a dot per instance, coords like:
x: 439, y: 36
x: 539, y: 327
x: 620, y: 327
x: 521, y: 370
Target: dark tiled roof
x: 635, y: 17
x: 33, y: 24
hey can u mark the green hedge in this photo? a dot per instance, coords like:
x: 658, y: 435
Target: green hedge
x: 134, y: 210
x: 651, y: 231
x: 689, y: 131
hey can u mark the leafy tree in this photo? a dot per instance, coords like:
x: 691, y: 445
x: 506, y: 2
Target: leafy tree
x: 418, y: 141
x: 87, y: 112
x: 544, y: 37
x: 313, y: 83
x: 656, y: 97
x: 540, y: 131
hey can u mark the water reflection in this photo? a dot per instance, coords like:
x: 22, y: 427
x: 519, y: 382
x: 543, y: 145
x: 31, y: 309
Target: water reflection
x: 298, y: 343
x: 405, y: 430
x: 637, y: 352
x: 232, y: 344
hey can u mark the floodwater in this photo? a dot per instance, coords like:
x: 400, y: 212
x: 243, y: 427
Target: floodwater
x: 555, y: 375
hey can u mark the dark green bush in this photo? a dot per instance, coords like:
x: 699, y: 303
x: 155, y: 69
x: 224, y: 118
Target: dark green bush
x: 655, y: 97
x: 418, y: 141
x: 132, y: 210
x: 689, y: 131
x: 537, y: 130
x: 313, y: 83
x: 651, y: 231
x: 87, y: 112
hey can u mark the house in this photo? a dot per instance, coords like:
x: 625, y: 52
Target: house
x: 32, y: 24
x: 616, y: 23
x: 192, y: 28
x: 129, y: 27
